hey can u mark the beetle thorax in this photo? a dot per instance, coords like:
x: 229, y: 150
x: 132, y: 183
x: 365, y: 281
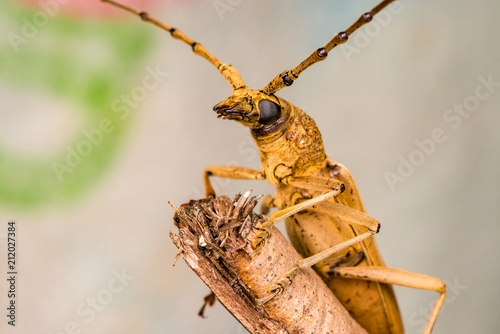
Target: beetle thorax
x: 292, y: 149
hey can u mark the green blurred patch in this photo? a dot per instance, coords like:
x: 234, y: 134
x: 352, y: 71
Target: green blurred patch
x: 86, y: 63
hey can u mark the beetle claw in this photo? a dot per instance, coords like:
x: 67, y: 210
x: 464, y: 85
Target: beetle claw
x: 260, y: 237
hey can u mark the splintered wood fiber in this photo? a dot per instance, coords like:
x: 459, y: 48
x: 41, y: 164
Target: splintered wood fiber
x: 215, y: 239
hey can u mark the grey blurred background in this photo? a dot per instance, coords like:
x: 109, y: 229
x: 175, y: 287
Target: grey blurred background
x: 388, y: 105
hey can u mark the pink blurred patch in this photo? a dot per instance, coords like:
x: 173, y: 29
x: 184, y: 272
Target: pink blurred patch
x: 95, y: 8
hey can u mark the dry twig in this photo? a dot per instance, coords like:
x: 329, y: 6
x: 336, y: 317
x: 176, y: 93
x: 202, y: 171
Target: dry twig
x: 214, y: 237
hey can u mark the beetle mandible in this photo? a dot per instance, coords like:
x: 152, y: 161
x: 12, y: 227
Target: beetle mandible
x: 316, y: 196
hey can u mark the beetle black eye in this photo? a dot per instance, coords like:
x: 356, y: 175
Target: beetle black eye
x: 269, y: 112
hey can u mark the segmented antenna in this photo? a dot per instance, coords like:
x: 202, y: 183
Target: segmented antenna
x: 287, y: 78
x: 283, y: 79
x: 228, y: 71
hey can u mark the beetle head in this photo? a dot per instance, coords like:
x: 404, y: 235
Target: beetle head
x: 250, y: 107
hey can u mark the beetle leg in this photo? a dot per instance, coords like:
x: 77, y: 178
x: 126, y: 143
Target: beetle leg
x: 287, y: 279
x: 267, y: 204
x: 346, y: 215
x: 339, y: 212
x: 326, y: 266
x: 230, y: 172
x: 282, y: 283
x: 279, y: 286
x: 398, y: 277
x: 265, y: 229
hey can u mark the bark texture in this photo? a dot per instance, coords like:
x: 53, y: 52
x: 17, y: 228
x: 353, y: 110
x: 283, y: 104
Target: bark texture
x: 214, y: 238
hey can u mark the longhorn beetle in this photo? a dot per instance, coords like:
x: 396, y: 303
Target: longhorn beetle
x: 317, y: 197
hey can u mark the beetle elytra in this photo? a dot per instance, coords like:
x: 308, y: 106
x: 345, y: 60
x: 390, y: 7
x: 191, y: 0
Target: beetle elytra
x: 316, y: 196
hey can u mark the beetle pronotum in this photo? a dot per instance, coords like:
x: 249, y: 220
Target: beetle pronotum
x: 316, y: 196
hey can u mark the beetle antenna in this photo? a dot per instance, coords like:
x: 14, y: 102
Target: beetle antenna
x: 287, y: 78
x: 228, y: 71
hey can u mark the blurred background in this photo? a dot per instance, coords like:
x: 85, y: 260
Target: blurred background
x: 103, y: 119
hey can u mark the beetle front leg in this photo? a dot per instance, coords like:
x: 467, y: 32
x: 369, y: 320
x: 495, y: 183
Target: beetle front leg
x: 230, y: 172
x: 267, y: 204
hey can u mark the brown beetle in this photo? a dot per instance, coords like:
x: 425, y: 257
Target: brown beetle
x: 317, y: 197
